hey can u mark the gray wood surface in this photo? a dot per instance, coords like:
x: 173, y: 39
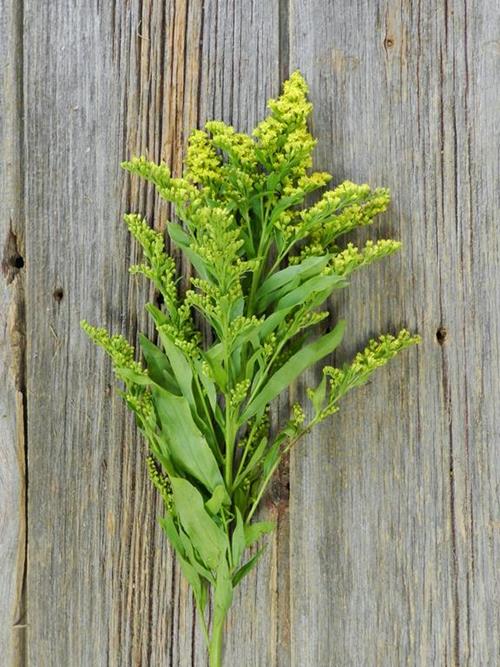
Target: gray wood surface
x: 388, y: 544
x: 12, y: 344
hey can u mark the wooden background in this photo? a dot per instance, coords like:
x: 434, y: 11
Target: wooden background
x: 387, y: 552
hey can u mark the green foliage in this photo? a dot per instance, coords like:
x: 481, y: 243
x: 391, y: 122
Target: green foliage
x: 247, y: 327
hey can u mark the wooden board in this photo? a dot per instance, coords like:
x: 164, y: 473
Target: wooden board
x: 104, y: 84
x: 394, y: 532
x: 388, y: 544
x: 12, y: 345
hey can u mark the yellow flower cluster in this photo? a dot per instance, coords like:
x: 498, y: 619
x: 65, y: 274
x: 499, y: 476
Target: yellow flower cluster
x: 161, y: 482
x: 206, y: 299
x: 179, y: 191
x: 343, y: 209
x: 269, y: 345
x: 238, y: 394
x: 353, y: 258
x: 119, y: 349
x: 311, y: 318
x: 283, y: 137
x: 377, y: 353
x: 159, y: 174
x: 238, y: 147
x: 139, y: 402
x: 306, y: 184
x: 298, y: 415
x: 161, y: 267
x: 381, y: 350
x: 203, y: 165
x: 219, y: 238
x: 241, y: 324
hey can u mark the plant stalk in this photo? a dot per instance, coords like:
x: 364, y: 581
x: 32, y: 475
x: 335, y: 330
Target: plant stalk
x: 215, y: 646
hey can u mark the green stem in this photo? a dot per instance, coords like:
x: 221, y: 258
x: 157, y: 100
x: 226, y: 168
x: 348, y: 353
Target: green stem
x: 215, y: 646
x: 229, y: 455
x: 268, y: 477
x: 245, y: 454
x: 262, y: 252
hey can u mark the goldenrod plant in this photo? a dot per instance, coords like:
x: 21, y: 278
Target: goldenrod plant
x: 239, y: 332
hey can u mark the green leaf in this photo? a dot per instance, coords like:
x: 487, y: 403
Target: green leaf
x: 208, y: 385
x: 283, y: 204
x: 318, y: 395
x: 249, y: 565
x: 159, y: 368
x: 129, y: 375
x: 259, y: 358
x: 206, y: 536
x: 188, y: 448
x: 180, y: 367
x: 187, y: 569
x: 223, y: 595
x: 158, y: 315
x: 281, y: 282
x: 290, y: 370
x: 271, y: 458
x: 219, y: 498
x: 316, y: 285
x: 254, y: 531
x: 194, y: 580
x: 159, y: 449
x: 182, y: 240
x: 214, y: 357
x: 168, y: 525
x: 272, y: 321
x: 238, y: 539
x: 241, y: 499
x: 179, y: 364
x: 257, y: 455
x: 192, y: 557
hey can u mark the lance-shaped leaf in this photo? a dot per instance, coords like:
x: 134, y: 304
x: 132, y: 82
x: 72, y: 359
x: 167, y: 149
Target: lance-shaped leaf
x: 159, y: 367
x: 175, y: 357
x: 248, y: 567
x: 223, y: 594
x: 238, y: 539
x: 188, y: 448
x: 193, y: 578
x: 317, y: 285
x: 281, y: 282
x: 219, y: 498
x: 291, y: 370
x: 182, y: 240
x: 254, y: 531
x: 207, y: 538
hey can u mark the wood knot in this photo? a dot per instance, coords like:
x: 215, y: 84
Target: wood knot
x: 442, y: 335
x: 12, y: 259
x: 58, y: 294
x: 279, y: 491
x: 388, y: 42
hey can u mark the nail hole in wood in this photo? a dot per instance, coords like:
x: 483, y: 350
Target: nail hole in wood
x: 441, y: 335
x: 388, y: 42
x: 58, y: 294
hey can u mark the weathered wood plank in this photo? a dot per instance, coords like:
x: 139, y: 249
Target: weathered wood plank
x: 394, y: 540
x: 104, y: 82
x: 12, y: 344
x: 394, y: 506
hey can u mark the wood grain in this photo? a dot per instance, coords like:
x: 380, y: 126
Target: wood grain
x: 12, y: 345
x: 388, y: 544
x: 104, y: 83
x: 395, y: 557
